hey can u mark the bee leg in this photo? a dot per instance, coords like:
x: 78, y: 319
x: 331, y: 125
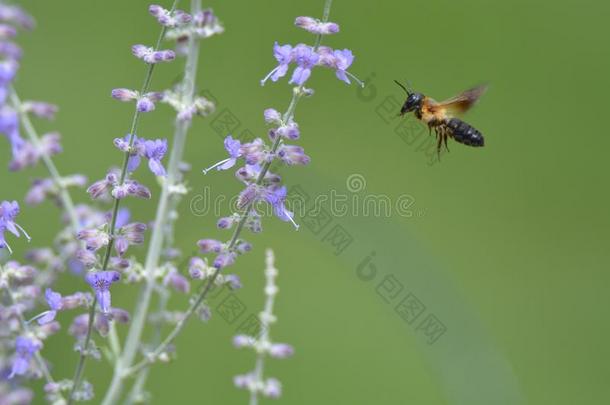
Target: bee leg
x: 445, y: 141
x: 439, y: 145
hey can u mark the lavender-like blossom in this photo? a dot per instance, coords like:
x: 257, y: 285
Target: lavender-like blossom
x: 40, y: 109
x: 255, y: 152
x: 210, y: 245
x: 7, y: 31
x: 101, y: 188
x: 233, y: 147
x: 177, y: 281
x: 15, y: 15
x: 293, y: 155
x: 54, y: 300
x: 154, y: 152
x: 224, y: 259
x: 167, y: 18
x: 284, y: 56
x: 272, y: 116
x: 197, y: 268
x: 123, y: 94
x: 343, y: 60
x: 130, y: 234
x: 144, y: 103
x: 305, y: 58
x: 100, y: 282
x: 150, y: 56
x: 315, y: 26
x: 94, y: 239
x: 25, y: 348
x: 8, y: 213
x: 288, y: 131
x: 10, y: 50
x: 277, y: 199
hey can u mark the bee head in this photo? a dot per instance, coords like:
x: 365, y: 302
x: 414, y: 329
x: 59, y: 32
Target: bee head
x: 413, y: 101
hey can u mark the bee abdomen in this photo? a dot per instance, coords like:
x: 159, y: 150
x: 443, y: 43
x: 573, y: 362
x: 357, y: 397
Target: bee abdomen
x: 465, y: 133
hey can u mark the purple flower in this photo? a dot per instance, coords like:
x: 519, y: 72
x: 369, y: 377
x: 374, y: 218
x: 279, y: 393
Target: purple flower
x: 40, y: 109
x: 273, y: 388
x: 10, y: 50
x: 250, y: 173
x: 224, y: 259
x: 8, y: 70
x: 154, y: 152
x: 131, y: 234
x: 227, y: 222
x: 277, y: 199
x: 293, y: 155
x: 209, y: 245
x: 146, y: 103
x: 150, y: 56
x: 86, y: 257
x: 94, y: 238
x: 123, y: 94
x: 281, y: 350
x: 254, y: 152
x: 8, y: 213
x: 250, y: 195
x: 177, y: 281
x: 25, y: 348
x: 233, y: 147
x: 233, y: 281
x: 197, y: 268
x: 100, y: 188
x: 305, y: 59
x: 25, y: 155
x: 240, y: 341
x: 16, y: 16
x: 284, y: 56
x: 290, y: 131
x: 49, y: 144
x: 6, y: 31
x: 136, y: 150
x: 54, y: 301
x: 167, y: 18
x: 130, y: 188
x: 101, y: 282
x: 344, y: 58
x: 272, y: 116
x: 315, y: 26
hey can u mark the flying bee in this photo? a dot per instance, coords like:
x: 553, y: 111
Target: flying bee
x: 441, y: 116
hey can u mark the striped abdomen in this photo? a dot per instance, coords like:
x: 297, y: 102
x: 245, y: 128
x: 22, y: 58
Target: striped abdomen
x: 465, y: 133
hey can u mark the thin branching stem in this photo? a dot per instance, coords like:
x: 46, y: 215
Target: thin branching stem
x: 111, y: 230
x: 207, y: 286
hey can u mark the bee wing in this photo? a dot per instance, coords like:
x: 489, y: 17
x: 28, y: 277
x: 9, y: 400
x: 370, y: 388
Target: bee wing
x: 463, y: 101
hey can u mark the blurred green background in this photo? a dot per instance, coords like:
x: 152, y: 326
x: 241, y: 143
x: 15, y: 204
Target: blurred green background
x: 506, y: 246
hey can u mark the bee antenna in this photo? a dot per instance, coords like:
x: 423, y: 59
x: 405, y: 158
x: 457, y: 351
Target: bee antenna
x: 403, y: 87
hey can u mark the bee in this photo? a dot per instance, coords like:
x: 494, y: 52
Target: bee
x: 441, y: 116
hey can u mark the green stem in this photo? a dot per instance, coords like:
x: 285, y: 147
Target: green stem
x: 132, y: 342
x: 287, y: 117
x: 132, y: 132
x: 151, y: 357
